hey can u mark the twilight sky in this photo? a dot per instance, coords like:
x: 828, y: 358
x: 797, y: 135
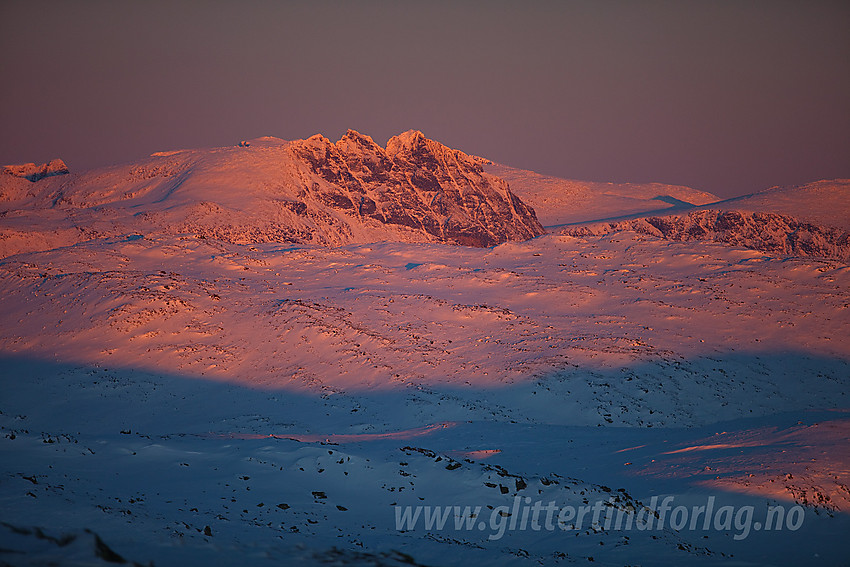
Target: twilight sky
x: 727, y: 97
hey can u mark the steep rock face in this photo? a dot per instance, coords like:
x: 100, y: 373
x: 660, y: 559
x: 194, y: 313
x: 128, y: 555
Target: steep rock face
x: 769, y: 232
x: 419, y: 184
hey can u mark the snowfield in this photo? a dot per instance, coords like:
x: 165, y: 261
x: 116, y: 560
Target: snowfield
x: 567, y: 201
x: 172, y: 398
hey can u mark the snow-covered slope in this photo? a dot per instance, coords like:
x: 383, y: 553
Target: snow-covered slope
x: 808, y: 220
x: 187, y: 400
x: 824, y: 203
x: 191, y: 373
x: 565, y: 201
x: 271, y: 190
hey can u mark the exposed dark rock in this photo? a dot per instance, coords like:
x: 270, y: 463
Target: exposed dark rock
x: 420, y: 184
x: 308, y: 191
x: 769, y: 232
x: 34, y: 172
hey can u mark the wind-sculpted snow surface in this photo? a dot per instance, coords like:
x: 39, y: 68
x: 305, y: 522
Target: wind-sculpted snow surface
x: 183, y: 400
x: 769, y: 232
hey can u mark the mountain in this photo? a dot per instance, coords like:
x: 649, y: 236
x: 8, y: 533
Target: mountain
x: 272, y: 190
x: 566, y: 201
x: 807, y: 220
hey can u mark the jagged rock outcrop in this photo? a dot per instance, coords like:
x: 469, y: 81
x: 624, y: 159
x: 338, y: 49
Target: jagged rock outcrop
x: 33, y: 172
x: 769, y: 232
x: 417, y: 183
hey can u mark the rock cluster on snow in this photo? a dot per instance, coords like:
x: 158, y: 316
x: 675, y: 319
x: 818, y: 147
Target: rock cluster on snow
x: 35, y: 172
x: 769, y: 232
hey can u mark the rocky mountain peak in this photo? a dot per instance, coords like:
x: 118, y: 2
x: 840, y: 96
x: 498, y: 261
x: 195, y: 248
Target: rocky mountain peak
x: 410, y: 141
x: 355, y: 138
x: 413, y: 147
x: 418, y: 184
x: 306, y: 191
x: 358, y: 147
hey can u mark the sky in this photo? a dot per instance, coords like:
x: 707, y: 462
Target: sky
x: 726, y: 97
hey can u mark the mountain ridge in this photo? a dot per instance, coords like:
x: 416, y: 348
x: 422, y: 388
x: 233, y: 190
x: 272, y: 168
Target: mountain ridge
x: 315, y: 191
x: 805, y: 220
x: 272, y: 190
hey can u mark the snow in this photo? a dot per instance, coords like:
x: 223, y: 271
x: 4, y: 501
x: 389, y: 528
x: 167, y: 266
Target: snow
x: 822, y: 202
x: 808, y: 220
x: 156, y: 386
x: 33, y: 172
x: 174, y: 399
x: 272, y: 190
x: 566, y: 201
x: 769, y: 232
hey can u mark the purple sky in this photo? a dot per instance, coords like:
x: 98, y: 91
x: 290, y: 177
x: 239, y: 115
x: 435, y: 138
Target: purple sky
x: 727, y: 97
